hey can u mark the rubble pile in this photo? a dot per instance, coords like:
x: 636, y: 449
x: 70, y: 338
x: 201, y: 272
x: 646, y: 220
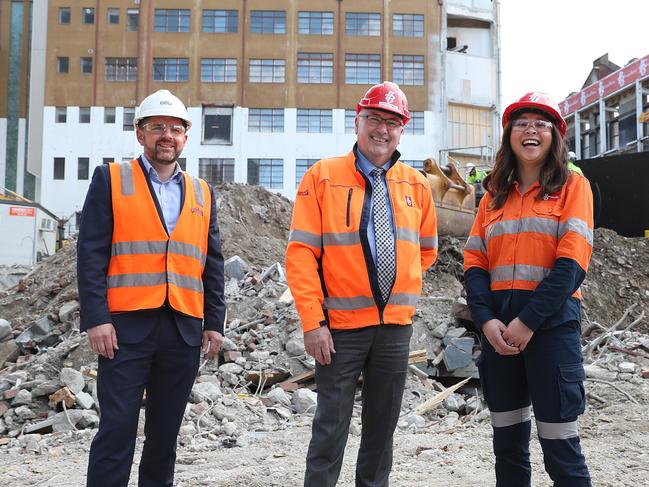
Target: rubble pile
x: 263, y: 379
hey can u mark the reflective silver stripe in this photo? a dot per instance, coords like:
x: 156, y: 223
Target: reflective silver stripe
x: 403, y: 299
x: 186, y: 249
x: 579, y: 226
x: 186, y: 282
x: 407, y: 234
x: 131, y: 280
x: 428, y: 242
x: 475, y: 243
x: 126, y: 173
x: 519, y: 272
x: 556, y: 431
x: 347, y: 238
x: 349, y: 304
x: 198, y: 190
x: 510, y: 418
x: 126, y: 248
x: 312, y: 239
x: 524, y: 225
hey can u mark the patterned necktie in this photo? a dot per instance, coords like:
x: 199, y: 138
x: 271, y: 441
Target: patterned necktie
x: 383, y: 236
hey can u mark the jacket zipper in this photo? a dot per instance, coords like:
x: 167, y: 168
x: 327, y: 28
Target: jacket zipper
x: 349, y: 204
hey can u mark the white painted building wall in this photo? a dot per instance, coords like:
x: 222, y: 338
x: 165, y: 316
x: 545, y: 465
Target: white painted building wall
x: 98, y: 140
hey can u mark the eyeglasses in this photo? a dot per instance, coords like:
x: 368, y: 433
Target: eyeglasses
x: 161, y: 128
x: 374, y: 121
x: 521, y: 124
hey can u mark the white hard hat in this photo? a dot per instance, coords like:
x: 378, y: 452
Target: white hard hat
x: 572, y: 156
x: 162, y: 103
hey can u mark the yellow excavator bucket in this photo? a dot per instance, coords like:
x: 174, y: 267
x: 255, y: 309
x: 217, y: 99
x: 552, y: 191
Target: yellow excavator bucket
x: 454, y: 198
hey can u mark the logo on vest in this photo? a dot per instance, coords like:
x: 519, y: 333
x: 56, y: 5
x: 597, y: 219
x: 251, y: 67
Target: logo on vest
x: 409, y: 201
x: 551, y: 197
x: 196, y: 209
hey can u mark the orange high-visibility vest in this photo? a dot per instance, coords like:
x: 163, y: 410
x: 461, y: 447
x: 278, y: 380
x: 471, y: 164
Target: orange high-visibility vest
x: 519, y: 243
x: 327, y: 266
x: 148, y: 266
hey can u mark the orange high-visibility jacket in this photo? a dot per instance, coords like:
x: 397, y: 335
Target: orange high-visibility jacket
x: 147, y: 266
x: 329, y: 266
x: 519, y: 243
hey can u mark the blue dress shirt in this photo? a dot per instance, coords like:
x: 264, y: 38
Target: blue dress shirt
x: 168, y: 193
x: 367, y: 167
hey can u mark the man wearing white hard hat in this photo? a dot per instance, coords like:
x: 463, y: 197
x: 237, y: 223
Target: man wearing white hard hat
x: 150, y: 276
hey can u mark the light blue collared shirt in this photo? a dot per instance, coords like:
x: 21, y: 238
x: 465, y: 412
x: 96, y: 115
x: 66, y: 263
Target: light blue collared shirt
x: 169, y: 193
x: 367, y: 167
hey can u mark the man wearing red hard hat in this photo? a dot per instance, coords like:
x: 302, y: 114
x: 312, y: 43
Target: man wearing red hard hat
x: 363, y: 231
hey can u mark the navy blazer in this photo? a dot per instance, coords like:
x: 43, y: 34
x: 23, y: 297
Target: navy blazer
x: 93, y: 256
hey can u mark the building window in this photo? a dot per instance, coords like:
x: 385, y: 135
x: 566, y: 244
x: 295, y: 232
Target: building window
x: 120, y: 69
x: 84, y: 114
x: 417, y: 164
x: 86, y: 65
x: 59, y: 168
x: 216, y: 70
x: 408, y: 25
x: 350, y: 121
x: 362, y: 69
x: 109, y: 114
x: 216, y: 171
x: 416, y: 124
x: 170, y: 69
x: 61, y: 114
x: 469, y: 126
x: 220, y: 21
x: 107, y: 160
x: 268, y: 22
x: 217, y: 125
x: 171, y: 20
x: 408, y: 70
x: 113, y: 16
x: 362, y: 24
x: 127, y: 123
x: 268, y: 173
x: 83, y: 168
x: 265, y: 120
x: 301, y: 166
x: 64, y: 15
x: 62, y: 64
x: 267, y: 71
x: 316, y: 68
x: 314, y: 121
x: 316, y: 23
x: 132, y: 19
x: 88, y: 15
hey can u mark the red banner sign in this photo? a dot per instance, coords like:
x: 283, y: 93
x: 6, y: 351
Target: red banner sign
x: 610, y: 84
x: 21, y: 211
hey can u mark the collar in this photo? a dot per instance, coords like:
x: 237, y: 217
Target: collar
x: 366, y: 167
x: 153, y: 174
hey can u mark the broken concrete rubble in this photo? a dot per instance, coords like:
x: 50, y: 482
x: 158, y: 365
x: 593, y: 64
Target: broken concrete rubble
x: 264, y: 380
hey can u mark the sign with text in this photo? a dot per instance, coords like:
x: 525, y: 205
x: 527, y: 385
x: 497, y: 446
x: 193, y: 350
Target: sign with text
x: 21, y: 211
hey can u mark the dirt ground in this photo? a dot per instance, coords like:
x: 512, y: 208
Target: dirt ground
x: 615, y: 439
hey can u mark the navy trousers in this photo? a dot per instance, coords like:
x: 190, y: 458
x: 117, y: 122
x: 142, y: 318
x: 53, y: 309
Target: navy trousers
x: 547, y: 376
x: 166, y: 366
x: 380, y: 353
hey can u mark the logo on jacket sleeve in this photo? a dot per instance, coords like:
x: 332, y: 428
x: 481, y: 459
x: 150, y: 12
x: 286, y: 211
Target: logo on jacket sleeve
x: 409, y: 201
x: 196, y: 209
x: 552, y: 196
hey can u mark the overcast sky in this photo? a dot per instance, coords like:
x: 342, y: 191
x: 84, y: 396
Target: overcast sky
x: 550, y: 45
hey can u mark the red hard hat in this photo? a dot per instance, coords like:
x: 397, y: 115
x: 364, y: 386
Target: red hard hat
x: 386, y: 96
x: 538, y: 101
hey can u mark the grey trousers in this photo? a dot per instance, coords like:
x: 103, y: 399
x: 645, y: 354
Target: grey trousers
x: 380, y: 353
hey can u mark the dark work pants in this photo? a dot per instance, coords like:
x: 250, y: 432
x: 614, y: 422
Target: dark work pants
x: 548, y: 375
x: 164, y: 365
x: 380, y: 353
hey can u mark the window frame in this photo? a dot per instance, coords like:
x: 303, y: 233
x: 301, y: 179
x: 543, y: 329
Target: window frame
x: 83, y: 173
x: 214, y: 17
x: 307, y: 18
x: 354, y: 24
x: 315, y: 68
x: 88, y: 15
x: 408, y: 20
x: 84, y: 115
x: 276, y: 66
x: 314, y: 121
x: 268, y: 22
x: 302, y: 165
x: 358, y: 63
x: 227, y: 67
x: 62, y: 61
x: 131, y: 15
x: 275, y: 176
x: 223, y: 166
x: 163, y: 20
x: 266, y: 120
x: 220, y: 115
x: 169, y: 66
x: 86, y: 64
x: 62, y: 12
x: 408, y: 69
x: 58, y: 169
x: 112, y: 13
x: 121, y: 67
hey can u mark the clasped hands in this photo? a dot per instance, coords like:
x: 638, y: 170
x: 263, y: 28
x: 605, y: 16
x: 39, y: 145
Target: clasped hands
x: 507, y: 340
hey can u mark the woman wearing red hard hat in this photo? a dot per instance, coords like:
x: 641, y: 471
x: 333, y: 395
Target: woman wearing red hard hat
x: 526, y: 256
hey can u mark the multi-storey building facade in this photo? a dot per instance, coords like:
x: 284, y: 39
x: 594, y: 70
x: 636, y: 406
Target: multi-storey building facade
x: 610, y: 115
x: 271, y: 85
